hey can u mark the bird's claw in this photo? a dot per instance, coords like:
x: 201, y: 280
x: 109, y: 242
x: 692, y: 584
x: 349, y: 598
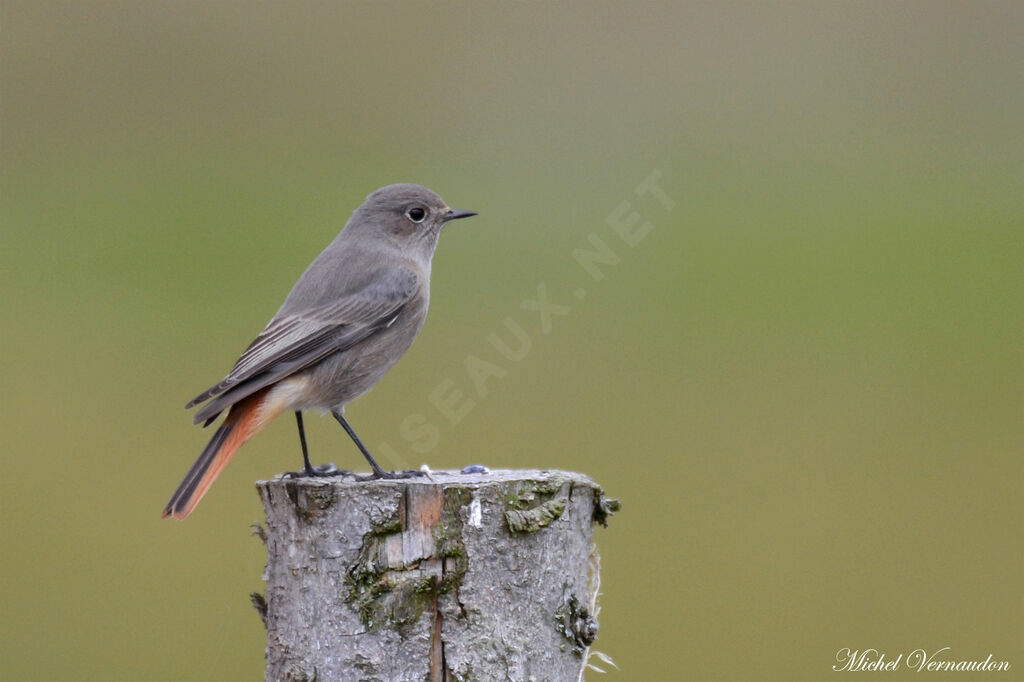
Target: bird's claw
x: 329, y: 470
x: 395, y: 475
x: 320, y: 471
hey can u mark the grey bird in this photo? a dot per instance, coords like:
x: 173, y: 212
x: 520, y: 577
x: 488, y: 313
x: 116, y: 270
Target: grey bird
x: 353, y: 313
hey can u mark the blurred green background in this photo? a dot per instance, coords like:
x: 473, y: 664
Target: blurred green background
x: 804, y: 383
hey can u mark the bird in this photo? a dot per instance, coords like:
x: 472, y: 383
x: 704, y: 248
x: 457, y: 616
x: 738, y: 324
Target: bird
x: 352, y: 314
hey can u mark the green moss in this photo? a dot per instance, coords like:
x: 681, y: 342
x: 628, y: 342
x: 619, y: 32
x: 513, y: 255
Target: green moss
x: 448, y: 538
x: 396, y: 597
x: 389, y: 525
x: 392, y: 600
x: 528, y: 494
x: 532, y: 520
x: 531, y: 505
x: 404, y: 603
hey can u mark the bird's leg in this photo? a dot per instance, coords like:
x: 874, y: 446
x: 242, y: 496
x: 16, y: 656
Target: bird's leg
x: 302, y: 441
x: 308, y: 469
x: 378, y: 472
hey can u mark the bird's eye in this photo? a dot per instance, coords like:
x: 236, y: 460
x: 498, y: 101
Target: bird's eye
x: 416, y: 214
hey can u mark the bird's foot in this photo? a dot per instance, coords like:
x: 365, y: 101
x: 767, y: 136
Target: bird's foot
x: 327, y: 470
x: 392, y: 475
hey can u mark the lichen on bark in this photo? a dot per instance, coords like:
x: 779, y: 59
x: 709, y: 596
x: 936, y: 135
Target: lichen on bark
x: 574, y: 621
x: 396, y: 596
x: 532, y: 520
x: 532, y: 505
x: 604, y: 506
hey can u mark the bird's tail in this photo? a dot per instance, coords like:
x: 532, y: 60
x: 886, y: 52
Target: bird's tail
x: 245, y: 419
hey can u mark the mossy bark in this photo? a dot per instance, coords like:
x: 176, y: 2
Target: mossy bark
x: 458, y: 577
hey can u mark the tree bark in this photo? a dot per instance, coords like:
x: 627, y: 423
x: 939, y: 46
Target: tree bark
x: 487, y: 576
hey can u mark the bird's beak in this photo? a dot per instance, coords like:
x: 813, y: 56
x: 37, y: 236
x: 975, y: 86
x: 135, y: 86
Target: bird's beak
x: 455, y: 215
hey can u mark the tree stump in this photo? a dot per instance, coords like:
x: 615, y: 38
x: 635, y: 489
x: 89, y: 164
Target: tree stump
x: 479, y: 576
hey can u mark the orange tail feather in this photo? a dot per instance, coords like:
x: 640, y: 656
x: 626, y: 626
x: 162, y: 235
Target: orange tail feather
x: 245, y: 420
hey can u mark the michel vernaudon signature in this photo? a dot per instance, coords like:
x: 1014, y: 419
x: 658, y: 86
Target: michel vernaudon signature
x: 856, y: 660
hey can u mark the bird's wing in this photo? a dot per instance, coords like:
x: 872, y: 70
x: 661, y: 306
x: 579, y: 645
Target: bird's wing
x: 293, y: 342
